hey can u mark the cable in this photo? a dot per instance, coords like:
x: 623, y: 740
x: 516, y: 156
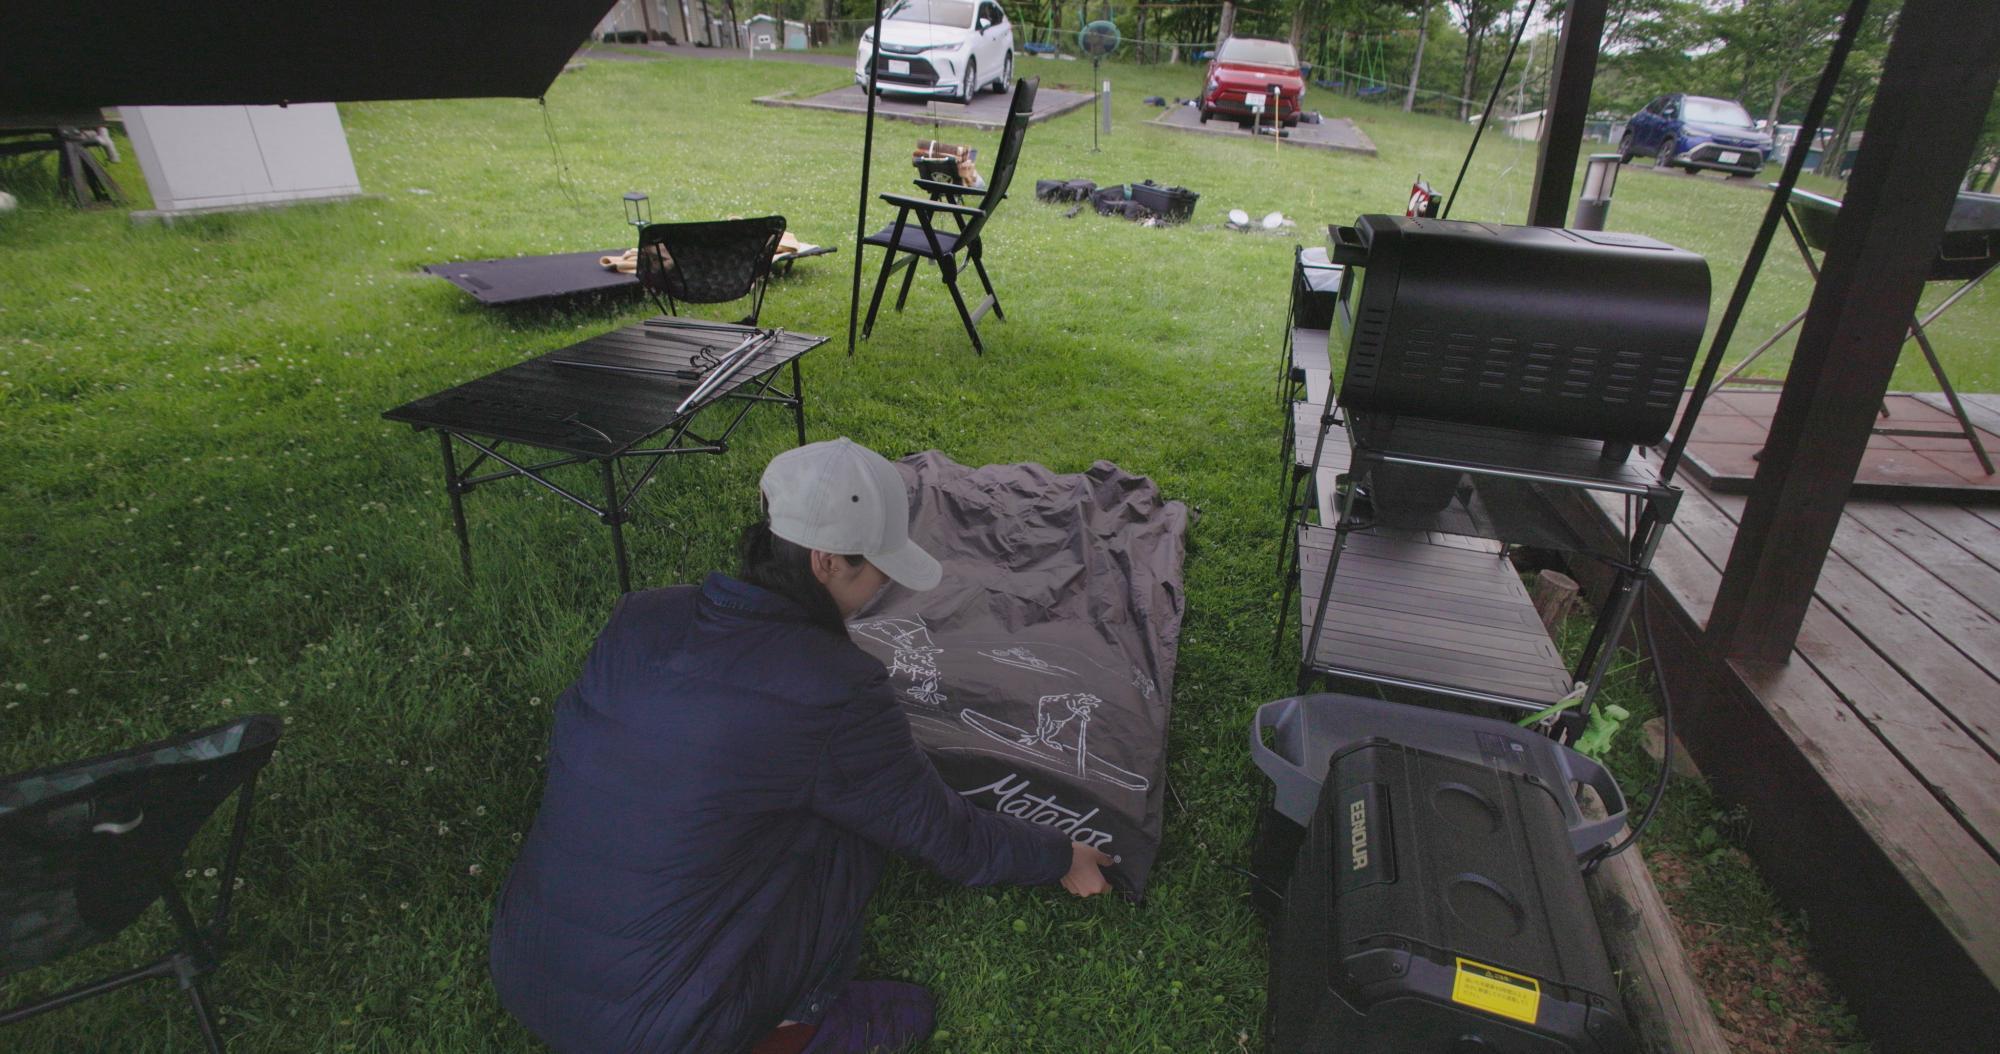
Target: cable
x: 1781, y: 196
x: 555, y: 149
x: 1666, y: 747
x: 1492, y: 98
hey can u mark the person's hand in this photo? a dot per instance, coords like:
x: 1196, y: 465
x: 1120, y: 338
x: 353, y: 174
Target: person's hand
x: 1086, y: 877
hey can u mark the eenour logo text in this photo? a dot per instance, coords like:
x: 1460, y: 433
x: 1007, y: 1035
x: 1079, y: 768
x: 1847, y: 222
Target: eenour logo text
x: 1012, y: 798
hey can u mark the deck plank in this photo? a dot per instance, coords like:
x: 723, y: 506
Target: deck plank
x: 1951, y: 765
x: 1973, y: 536
x: 1946, y: 866
x: 1934, y: 594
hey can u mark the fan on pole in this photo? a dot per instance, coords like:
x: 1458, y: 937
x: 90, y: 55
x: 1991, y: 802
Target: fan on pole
x: 1098, y: 39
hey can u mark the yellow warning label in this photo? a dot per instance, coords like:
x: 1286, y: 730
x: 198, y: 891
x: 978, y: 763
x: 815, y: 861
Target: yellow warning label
x: 1496, y: 991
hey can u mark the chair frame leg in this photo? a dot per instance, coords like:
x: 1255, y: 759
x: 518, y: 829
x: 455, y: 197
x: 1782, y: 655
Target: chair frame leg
x: 958, y: 300
x: 881, y: 283
x: 979, y: 268
x: 903, y: 294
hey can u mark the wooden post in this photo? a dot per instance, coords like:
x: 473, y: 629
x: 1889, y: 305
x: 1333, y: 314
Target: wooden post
x: 1931, y: 103
x: 1556, y: 595
x: 1665, y: 1003
x: 1569, y: 104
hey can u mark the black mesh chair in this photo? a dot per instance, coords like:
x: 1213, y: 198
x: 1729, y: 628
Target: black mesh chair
x: 712, y: 262
x: 86, y: 848
x: 908, y: 243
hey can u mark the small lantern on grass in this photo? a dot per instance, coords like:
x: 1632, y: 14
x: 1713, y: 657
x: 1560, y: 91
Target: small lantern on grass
x: 638, y: 210
x: 1600, y: 176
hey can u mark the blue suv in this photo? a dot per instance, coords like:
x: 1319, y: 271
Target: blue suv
x: 1696, y: 132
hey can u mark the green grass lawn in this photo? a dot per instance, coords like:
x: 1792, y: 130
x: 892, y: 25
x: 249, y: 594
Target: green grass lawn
x: 205, y: 516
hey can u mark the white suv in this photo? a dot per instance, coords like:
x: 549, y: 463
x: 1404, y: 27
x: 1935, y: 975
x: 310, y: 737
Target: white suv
x: 949, y: 48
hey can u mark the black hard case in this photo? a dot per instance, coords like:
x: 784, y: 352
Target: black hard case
x: 1418, y: 866
x: 1577, y: 333
x: 1294, y: 740
x: 1171, y: 204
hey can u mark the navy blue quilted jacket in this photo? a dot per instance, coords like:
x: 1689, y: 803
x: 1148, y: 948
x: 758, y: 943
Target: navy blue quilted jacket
x: 724, y: 780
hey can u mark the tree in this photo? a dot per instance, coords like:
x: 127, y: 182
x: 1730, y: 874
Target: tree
x: 1856, y: 88
x: 1787, y: 37
x: 1477, y: 18
x: 1417, y: 64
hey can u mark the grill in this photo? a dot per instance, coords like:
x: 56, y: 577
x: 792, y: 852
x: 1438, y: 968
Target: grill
x: 921, y: 72
x: 1579, y: 333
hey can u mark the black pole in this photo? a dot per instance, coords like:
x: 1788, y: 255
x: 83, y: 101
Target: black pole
x: 1492, y: 98
x: 1781, y: 199
x: 867, y: 158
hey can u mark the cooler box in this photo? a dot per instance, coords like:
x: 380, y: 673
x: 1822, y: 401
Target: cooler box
x: 1305, y: 732
x: 1315, y: 289
x: 1436, y: 904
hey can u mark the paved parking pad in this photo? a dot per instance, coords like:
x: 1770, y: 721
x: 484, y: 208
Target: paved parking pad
x: 1334, y: 133
x: 987, y: 110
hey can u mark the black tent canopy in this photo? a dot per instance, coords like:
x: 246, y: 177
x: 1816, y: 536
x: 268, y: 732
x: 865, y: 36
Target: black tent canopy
x: 64, y: 57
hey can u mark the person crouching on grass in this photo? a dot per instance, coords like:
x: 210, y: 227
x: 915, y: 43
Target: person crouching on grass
x: 726, y: 779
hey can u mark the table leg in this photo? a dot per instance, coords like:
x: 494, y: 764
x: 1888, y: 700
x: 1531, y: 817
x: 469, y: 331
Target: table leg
x: 615, y: 517
x: 456, y: 492
x: 799, y: 401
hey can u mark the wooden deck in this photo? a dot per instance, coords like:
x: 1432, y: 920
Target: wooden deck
x: 1870, y: 763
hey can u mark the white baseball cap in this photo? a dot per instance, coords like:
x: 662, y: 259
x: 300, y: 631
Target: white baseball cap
x: 841, y: 497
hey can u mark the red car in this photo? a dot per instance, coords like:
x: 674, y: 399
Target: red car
x: 1245, y: 66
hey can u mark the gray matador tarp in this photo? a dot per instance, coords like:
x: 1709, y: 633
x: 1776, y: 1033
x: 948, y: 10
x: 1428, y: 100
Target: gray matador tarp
x: 1039, y: 674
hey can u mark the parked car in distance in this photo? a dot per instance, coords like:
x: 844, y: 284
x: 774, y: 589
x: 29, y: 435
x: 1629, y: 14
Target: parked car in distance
x: 1696, y: 132
x: 1245, y: 66
x: 939, y: 48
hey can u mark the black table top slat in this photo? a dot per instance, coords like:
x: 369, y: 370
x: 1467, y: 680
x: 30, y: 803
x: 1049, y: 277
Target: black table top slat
x: 596, y: 412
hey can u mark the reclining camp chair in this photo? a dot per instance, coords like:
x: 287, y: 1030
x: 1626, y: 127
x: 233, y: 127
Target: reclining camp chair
x: 711, y: 262
x: 908, y: 243
x: 86, y: 848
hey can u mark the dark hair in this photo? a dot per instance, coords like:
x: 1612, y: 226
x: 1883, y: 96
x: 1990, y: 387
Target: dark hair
x: 774, y: 564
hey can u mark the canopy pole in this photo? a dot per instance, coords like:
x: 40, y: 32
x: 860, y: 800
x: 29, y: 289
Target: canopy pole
x: 867, y: 158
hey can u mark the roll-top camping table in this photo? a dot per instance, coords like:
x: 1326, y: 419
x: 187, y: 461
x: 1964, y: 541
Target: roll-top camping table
x: 634, y: 393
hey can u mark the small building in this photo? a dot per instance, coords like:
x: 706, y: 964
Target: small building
x: 768, y: 33
x: 1524, y: 125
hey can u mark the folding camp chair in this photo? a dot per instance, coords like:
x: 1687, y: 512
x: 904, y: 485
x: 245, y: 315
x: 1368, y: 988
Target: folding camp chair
x: 907, y: 243
x: 712, y: 262
x: 86, y: 848
x: 1969, y: 252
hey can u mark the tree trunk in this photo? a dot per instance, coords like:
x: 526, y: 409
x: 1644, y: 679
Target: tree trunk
x: 1992, y: 177
x: 1417, y: 65
x: 1836, y: 145
x: 729, y: 8
x: 1778, y: 97
x: 1299, y: 25
x: 707, y: 23
x: 1470, y: 81
x: 1140, y: 32
x: 1228, y: 25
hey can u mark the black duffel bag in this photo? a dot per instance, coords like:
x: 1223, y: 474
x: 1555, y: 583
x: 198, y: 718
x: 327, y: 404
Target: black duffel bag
x: 1063, y: 190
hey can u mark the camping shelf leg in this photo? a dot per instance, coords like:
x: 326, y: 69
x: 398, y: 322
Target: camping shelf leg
x: 614, y: 517
x: 1310, y: 652
x: 456, y: 491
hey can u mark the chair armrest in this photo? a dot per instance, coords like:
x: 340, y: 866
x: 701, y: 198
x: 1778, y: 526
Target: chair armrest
x: 927, y: 205
x: 941, y: 187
